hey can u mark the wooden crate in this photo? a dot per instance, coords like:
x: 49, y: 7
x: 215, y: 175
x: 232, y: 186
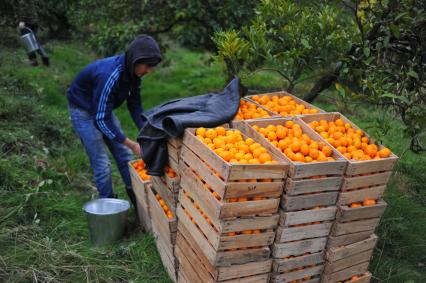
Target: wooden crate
x: 346, y: 213
x: 347, y: 239
x: 365, y: 180
x: 284, y: 93
x: 172, y: 183
x: 164, y: 191
x: 341, y: 252
x: 356, y: 167
x: 297, y: 248
x: 289, y: 234
x: 199, y: 269
x: 219, y: 209
x: 230, y: 171
x: 295, y: 187
x: 307, y: 274
x: 271, y: 114
x: 346, y: 274
x: 308, y: 201
x: 168, y: 258
x: 140, y: 188
x: 220, y: 258
x: 359, y: 195
x: 230, y: 189
x: 162, y: 226
x: 343, y: 228
x: 297, y: 170
x: 219, y: 239
x: 305, y: 216
x: 346, y: 262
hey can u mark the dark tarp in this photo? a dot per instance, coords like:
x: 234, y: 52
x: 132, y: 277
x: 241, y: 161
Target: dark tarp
x: 170, y: 119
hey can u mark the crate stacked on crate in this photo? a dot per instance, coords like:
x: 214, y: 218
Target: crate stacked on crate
x: 360, y: 203
x: 141, y: 183
x: 250, y: 110
x: 227, y: 207
x: 308, y: 205
x: 163, y: 202
x: 284, y: 104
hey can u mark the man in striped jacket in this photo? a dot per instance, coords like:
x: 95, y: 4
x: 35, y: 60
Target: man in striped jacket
x: 93, y: 95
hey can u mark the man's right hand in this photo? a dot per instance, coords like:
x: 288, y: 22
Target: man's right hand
x: 133, y: 146
x: 21, y: 25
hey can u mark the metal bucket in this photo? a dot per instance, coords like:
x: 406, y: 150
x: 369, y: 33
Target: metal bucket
x: 107, y: 219
x: 30, y: 41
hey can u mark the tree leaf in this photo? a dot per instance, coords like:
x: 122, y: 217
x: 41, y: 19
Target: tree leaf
x: 305, y: 43
x: 413, y: 74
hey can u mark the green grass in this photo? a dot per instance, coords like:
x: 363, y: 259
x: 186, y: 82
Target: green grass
x: 45, y: 176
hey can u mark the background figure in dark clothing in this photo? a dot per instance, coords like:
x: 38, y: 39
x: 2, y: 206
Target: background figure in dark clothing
x: 26, y: 16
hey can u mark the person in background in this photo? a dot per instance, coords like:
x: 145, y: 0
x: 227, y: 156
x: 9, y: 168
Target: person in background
x: 26, y: 16
x: 97, y: 90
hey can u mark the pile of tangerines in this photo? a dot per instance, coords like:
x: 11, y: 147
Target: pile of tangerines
x: 139, y: 166
x: 164, y: 206
x: 366, y: 202
x: 283, y: 105
x: 231, y: 146
x: 295, y: 144
x: 350, y: 142
x: 250, y: 110
x: 353, y: 278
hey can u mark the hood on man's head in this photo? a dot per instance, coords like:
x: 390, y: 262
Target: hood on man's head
x: 144, y: 49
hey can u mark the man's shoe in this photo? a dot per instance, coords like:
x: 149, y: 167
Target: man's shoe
x: 45, y: 61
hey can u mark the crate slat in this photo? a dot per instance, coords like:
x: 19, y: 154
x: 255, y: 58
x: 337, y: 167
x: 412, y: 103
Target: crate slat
x: 291, y: 203
x: 338, y: 253
x: 347, y: 239
x: 304, y: 186
x: 282, y: 250
x: 349, y: 197
x: 348, y: 261
x: 345, y: 273
x: 287, y: 264
x: 305, y: 216
x: 289, y: 234
x: 346, y: 213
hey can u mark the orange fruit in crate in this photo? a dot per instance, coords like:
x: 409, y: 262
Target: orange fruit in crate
x: 247, y: 232
x: 350, y: 142
x: 250, y: 110
x: 231, y: 146
x: 355, y: 205
x: 283, y: 105
x: 368, y: 202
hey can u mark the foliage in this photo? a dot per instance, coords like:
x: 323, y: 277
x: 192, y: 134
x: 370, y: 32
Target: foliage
x: 111, y: 26
x: 290, y: 38
x: 388, y: 64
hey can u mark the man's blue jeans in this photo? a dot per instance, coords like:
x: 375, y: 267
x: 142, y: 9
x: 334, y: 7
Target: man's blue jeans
x: 95, y: 144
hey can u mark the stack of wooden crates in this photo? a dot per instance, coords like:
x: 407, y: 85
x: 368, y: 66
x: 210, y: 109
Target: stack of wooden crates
x: 165, y: 190
x: 219, y: 240
x: 302, y: 229
x: 307, y: 210
x: 352, y: 240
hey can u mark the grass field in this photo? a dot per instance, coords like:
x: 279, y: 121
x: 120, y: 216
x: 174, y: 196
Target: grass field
x: 45, y: 177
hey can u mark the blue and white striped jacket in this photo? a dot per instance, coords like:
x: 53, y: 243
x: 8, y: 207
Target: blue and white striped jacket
x: 101, y: 87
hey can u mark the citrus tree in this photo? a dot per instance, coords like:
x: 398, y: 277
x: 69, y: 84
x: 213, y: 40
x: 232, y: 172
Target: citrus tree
x: 293, y: 39
x: 386, y: 64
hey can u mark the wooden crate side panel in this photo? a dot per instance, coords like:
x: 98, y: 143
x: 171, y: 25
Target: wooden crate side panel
x: 175, y: 142
x: 244, y: 270
x: 347, y: 262
x: 343, y: 240
x: 304, y: 186
x: 172, y: 183
x: 144, y: 217
x: 230, y: 189
x: 173, y: 152
x: 223, y: 242
x: 157, y: 212
x: 287, y: 264
x: 334, y: 254
x: 288, y: 234
x: 189, y: 270
x: 345, y: 273
x: 168, y: 259
x: 223, y: 210
x: 360, y: 195
x: 282, y: 250
x: 291, y: 203
x: 345, y: 213
x: 306, y: 216
x: 297, y: 275
x: 342, y: 228
x: 174, y: 164
x: 249, y: 223
x: 297, y: 169
x: 355, y: 182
